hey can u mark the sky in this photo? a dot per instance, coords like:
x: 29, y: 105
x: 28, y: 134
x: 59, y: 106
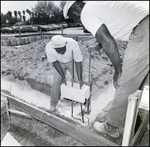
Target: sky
x: 18, y: 6
x: 23, y: 5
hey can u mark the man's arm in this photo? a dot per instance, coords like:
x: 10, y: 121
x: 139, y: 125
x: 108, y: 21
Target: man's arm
x: 109, y: 45
x: 79, y: 72
x: 60, y: 70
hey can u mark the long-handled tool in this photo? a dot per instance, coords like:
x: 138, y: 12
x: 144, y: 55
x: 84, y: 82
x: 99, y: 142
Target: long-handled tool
x: 81, y: 95
x: 88, y: 101
x: 72, y: 82
x: 72, y: 86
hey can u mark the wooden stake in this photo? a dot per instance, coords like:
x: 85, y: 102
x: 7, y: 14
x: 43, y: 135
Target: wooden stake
x: 140, y: 131
x: 130, y: 118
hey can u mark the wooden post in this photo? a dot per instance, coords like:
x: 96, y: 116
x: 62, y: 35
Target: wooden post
x: 140, y: 131
x: 41, y: 33
x: 20, y: 35
x: 131, y: 116
x: 139, y: 95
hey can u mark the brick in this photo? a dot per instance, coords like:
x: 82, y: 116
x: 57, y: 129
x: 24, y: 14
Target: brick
x: 75, y: 93
x: 17, y: 41
x: 4, y: 43
x: 8, y: 42
x: 32, y: 39
x: 11, y: 42
x: 29, y: 39
x: 21, y: 41
x: 26, y: 41
x: 35, y: 38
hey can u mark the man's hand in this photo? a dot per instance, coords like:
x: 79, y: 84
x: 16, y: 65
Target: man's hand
x: 96, y: 47
x: 81, y: 83
x: 116, y: 78
x: 64, y: 80
x: 44, y: 57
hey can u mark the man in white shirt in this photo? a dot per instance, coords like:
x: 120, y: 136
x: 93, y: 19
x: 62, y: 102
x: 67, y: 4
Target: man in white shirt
x: 108, y: 21
x: 59, y: 52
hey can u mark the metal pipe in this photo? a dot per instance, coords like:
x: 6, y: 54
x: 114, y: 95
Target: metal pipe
x: 88, y: 101
x: 72, y: 108
x: 89, y: 66
x: 82, y: 113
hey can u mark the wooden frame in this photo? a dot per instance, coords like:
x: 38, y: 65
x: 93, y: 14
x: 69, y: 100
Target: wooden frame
x: 76, y: 132
x: 84, y: 136
x: 140, y: 131
x: 131, y: 117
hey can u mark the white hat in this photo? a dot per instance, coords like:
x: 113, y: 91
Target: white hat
x: 66, y: 8
x: 58, y: 41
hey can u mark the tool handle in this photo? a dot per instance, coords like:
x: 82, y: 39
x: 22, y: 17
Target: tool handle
x: 72, y: 68
x: 89, y: 67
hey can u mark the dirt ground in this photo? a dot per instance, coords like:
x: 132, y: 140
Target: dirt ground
x: 25, y: 76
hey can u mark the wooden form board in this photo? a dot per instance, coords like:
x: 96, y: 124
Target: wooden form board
x: 86, y: 137
x: 140, y: 131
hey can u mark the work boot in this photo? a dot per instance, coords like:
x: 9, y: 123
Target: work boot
x: 52, y: 109
x: 105, y: 128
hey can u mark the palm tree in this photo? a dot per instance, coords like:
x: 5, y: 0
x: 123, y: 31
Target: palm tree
x: 29, y: 12
x: 9, y: 13
x: 24, y: 18
x: 19, y: 14
x: 32, y: 14
x: 62, y: 4
x: 23, y: 12
x: 15, y: 13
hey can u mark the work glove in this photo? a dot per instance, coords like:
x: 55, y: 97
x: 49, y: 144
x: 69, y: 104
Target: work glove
x: 116, y: 78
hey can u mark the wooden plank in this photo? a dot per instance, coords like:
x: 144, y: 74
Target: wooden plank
x: 140, y: 131
x: 15, y: 112
x: 130, y: 119
x: 86, y: 137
